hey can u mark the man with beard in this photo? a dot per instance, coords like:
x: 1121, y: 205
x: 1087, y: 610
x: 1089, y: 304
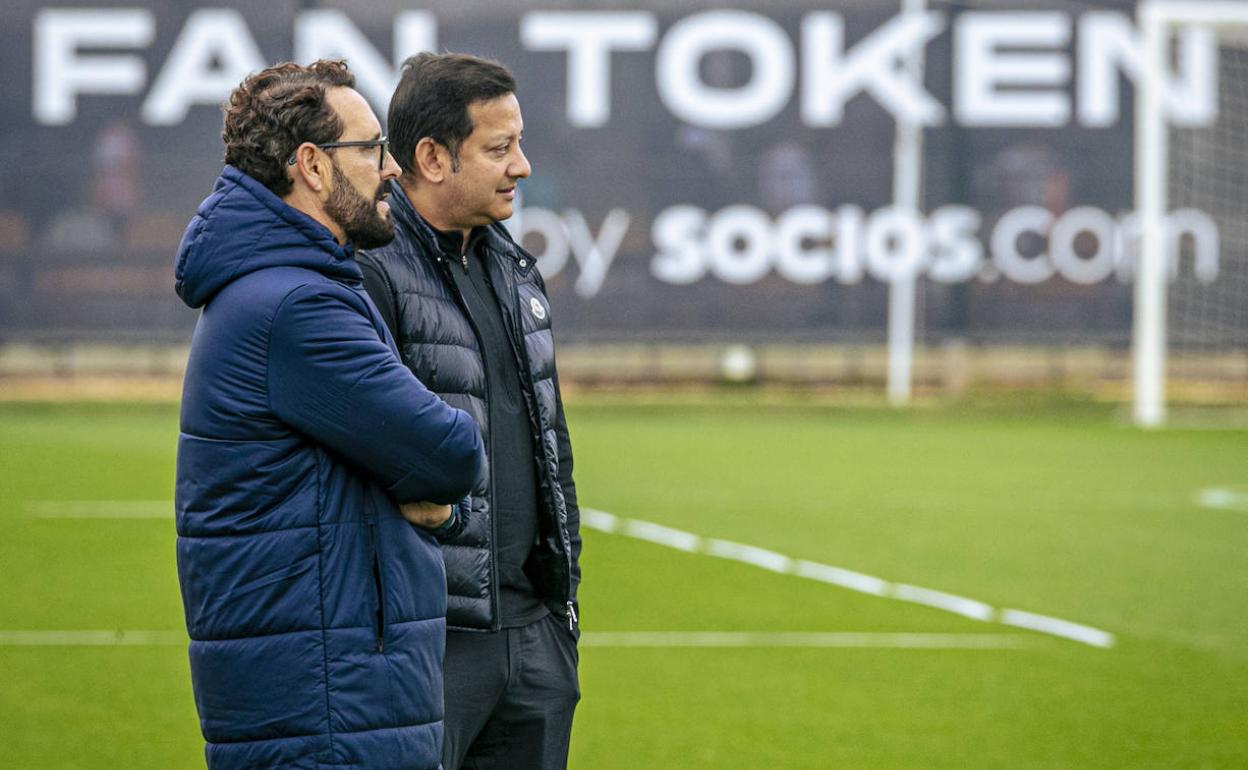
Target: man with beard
x: 469, y: 311
x: 315, y: 472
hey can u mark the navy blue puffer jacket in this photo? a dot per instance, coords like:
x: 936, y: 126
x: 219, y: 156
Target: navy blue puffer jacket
x: 315, y: 611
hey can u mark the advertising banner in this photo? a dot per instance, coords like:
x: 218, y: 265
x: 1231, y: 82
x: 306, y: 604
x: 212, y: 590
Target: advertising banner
x: 702, y: 173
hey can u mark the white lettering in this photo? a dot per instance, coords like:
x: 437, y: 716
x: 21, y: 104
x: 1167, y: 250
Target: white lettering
x: 1009, y: 68
x: 739, y: 244
x: 849, y: 223
x: 794, y: 229
x: 896, y: 248
x: 211, y: 56
x: 1090, y: 221
x: 61, y: 73
x: 589, y: 39
x: 1206, y: 243
x: 983, y: 73
x: 1005, y: 254
x: 595, y: 255
x: 414, y: 32
x: 676, y: 232
x: 1109, y: 44
x: 329, y: 34
x: 689, y: 40
x: 830, y: 79
x: 957, y: 254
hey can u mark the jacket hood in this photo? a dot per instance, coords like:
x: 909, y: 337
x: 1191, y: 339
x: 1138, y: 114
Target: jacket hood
x: 243, y: 227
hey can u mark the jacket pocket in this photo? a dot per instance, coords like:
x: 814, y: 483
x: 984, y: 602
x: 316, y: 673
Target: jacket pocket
x: 379, y: 591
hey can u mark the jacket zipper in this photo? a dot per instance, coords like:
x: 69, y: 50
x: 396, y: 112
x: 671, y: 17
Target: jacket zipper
x: 526, y: 370
x: 379, y: 615
x: 495, y: 621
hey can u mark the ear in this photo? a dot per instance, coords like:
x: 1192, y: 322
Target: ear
x: 311, y: 167
x: 431, y: 159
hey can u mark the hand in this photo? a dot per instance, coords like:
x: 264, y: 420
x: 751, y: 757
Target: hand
x: 427, y: 515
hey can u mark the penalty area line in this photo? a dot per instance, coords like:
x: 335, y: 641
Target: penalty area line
x: 100, y: 509
x: 691, y: 543
x: 604, y: 639
x: 808, y: 639
x: 1233, y: 498
x: 844, y: 578
x: 98, y: 638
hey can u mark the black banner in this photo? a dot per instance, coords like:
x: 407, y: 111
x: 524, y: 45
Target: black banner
x: 703, y: 174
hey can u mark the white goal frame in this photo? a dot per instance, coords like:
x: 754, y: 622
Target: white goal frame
x: 1158, y: 19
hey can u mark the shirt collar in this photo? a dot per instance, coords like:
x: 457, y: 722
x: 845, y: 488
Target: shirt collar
x: 452, y: 241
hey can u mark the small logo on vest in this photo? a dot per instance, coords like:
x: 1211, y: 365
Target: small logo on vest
x: 539, y: 312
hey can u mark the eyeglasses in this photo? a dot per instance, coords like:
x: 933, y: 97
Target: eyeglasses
x: 383, y: 144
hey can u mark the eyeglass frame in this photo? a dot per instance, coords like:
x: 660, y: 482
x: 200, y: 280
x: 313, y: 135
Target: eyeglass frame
x: 382, y: 142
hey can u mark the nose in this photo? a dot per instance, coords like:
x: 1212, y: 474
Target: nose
x: 390, y: 168
x: 520, y: 167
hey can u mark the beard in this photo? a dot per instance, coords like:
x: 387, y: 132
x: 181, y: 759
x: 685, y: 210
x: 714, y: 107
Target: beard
x: 358, y: 216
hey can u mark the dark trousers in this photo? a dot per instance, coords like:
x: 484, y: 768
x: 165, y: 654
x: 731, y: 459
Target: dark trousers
x: 510, y: 697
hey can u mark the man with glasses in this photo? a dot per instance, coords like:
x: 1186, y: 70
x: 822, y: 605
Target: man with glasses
x: 469, y: 312
x: 314, y: 473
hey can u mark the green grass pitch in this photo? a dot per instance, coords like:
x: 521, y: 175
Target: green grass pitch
x: 1052, y: 509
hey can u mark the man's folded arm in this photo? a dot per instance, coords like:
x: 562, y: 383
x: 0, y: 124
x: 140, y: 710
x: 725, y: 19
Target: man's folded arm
x: 332, y: 378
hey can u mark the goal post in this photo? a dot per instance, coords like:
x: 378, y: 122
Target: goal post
x: 907, y: 196
x: 1213, y: 154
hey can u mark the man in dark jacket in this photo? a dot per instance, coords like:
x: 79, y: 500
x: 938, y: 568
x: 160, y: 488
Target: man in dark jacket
x: 469, y: 312
x: 314, y: 470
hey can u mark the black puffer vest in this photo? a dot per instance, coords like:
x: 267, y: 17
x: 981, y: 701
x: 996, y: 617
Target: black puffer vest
x: 439, y: 343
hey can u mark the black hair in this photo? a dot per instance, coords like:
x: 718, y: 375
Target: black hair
x: 433, y: 97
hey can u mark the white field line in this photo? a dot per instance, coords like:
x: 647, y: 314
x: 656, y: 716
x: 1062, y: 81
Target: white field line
x: 1057, y: 627
x: 959, y: 605
x: 726, y: 639
x: 759, y: 557
x: 100, y: 509
x: 91, y: 638
x: 600, y: 520
x: 671, y: 538
x: 805, y: 639
x: 661, y: 535
x: 1225, y: 498
x: 838, y: 576
x: 854, y: 581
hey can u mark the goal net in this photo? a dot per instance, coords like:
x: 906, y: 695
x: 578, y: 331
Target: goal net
x: 1191, y: 335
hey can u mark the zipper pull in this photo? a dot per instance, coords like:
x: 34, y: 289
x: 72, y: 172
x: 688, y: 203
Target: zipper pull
x: 571, y: 616
x: 464, y: 258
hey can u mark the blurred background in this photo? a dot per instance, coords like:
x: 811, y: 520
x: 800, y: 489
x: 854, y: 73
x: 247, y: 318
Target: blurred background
x: 914, y: 197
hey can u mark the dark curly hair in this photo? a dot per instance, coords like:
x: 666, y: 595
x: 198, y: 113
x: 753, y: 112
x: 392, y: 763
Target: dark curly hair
x: 275, y: 110
x: 432, y: 99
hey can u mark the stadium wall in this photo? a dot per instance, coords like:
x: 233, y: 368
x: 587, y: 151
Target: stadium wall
x: 950, y: 372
